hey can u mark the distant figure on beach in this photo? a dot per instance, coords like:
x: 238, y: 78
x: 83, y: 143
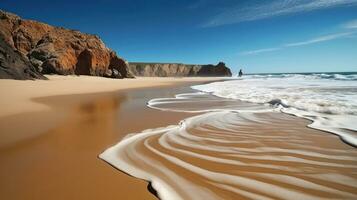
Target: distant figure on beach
x: 240, y: 74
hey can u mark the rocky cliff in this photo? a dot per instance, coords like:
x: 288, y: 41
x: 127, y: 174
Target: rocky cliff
x: 178, y: 69
x: 13, y: 65
x: 29, y: 48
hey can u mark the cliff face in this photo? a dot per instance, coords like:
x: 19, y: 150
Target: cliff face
x: 38, y: 48
x: 178, y: 70
x: 29, y: 49
x: 13, y: 65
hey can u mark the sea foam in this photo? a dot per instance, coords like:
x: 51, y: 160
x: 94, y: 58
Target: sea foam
x: 240, y: 146
x: 329, y: 100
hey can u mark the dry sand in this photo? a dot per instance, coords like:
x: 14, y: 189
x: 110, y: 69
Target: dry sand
x: 16, y: 95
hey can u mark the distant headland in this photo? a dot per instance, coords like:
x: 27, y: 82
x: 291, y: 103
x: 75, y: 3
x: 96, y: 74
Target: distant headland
x: 30, y: 49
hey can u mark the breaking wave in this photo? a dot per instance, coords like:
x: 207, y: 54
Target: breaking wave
x: 329, y: 100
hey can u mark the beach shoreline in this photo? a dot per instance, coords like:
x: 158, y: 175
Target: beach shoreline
x: 178, y: 100
x: 19, y: 95
x: 42, y: 144
x: 53, y: 153
x: 228, y: 151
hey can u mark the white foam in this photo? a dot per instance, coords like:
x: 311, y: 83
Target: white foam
x: 330, y: 101
x: 114, y: 156
x: 134, y: 155
x: 322, y: 98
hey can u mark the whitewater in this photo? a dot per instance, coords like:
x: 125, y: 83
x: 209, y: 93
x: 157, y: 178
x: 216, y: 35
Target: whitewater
x: 327, y: 99
x: 241, y: 144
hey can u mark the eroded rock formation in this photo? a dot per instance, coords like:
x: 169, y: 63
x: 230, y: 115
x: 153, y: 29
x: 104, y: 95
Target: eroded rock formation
x: 178, y: 69
x: 13, y: 65
x: 29, y: 49
x: 38, y: 48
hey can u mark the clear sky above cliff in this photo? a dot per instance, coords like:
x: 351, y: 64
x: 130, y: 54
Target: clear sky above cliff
x: 256, y: 35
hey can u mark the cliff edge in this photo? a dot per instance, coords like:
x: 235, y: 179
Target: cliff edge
x: 29, y: 48
x: 178, y: 69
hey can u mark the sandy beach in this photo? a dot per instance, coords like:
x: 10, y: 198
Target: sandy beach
x: 178, y: 100
x: 18, y: 94
x: 51, y: 139
x: 53, y: 131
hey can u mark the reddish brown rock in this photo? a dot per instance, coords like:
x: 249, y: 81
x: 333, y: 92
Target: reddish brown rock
x: 178, y: 69
x: 57, y: 50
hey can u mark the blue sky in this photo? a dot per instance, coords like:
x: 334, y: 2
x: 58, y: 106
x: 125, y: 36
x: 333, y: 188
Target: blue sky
x: 256, y: 35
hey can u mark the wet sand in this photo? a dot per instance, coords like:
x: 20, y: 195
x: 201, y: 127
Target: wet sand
x: 60, y: 158
x: 229, y: 154
x: 53, y: 154
x: 17, y: 95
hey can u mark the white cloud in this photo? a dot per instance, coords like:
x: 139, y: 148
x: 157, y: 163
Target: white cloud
x: 274, y: 8
x: 351, y: 24
x: 302, y: 43
x: 253, y: 52
x: 320, y: 39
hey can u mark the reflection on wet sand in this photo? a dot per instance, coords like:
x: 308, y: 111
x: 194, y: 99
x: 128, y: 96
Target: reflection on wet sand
x: 227, y: 154
x: 60, y: 160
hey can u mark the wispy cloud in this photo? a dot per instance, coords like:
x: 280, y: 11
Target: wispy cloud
x: 302, y: 43
x: 257, y: 51
x: 197, y: 4
x: 320, y: 39
x: 274, y: 8
x: 351, y: 24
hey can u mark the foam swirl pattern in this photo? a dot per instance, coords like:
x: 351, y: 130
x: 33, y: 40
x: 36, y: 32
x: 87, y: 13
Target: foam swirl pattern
x: 235, y: 153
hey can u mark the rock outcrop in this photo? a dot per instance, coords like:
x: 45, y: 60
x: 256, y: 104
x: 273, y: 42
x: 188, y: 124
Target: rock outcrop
x: 13, y: 65
x: 178, y: 69
x: 37, y: 48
